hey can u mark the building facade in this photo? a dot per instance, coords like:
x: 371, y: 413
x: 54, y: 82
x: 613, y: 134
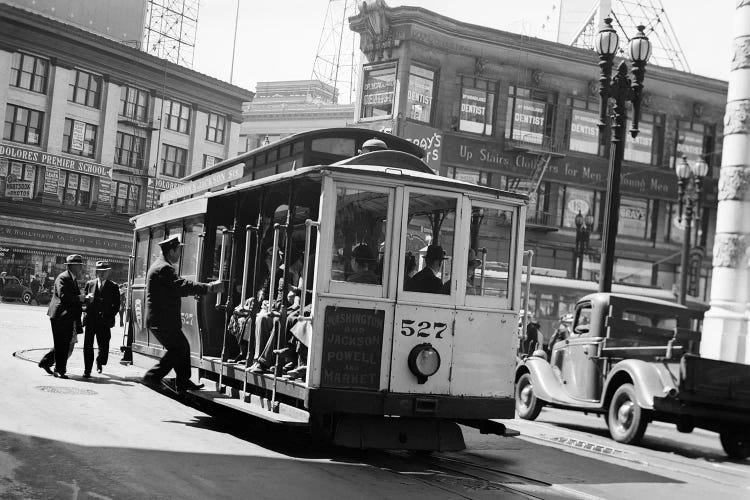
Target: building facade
x: 519, y: 113
x: 283, y: 108
x: 93, y: 130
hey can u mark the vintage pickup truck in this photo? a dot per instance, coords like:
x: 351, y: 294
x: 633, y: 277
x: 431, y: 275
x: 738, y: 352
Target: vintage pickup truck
x: 635, y: 360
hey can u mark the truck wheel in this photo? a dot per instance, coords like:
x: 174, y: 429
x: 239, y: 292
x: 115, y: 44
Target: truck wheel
x: 527, y: 404
x: 736, y: 444
x: 626, y: 420
x: 26, y: 298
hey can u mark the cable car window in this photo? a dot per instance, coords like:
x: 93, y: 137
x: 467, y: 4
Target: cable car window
x: 491, y: 247
x: 359, y: 236
x: 176, y: 230
x: 217, y: 253
x: 193, y: 230
x: 430, y: 233
x: 157, y: 236
x: 141, y: 255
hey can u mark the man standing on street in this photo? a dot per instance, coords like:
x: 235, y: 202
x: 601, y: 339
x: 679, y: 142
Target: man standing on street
x: 163, y: 291
x: 102, y: 304
x: 64, y: 312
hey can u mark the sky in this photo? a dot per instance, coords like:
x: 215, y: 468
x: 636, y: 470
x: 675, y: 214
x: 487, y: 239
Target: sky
x: 278, y: 39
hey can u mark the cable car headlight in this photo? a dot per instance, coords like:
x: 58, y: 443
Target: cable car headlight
x: 424, y: 361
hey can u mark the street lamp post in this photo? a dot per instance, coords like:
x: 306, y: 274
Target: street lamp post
x: 689, y: 194
x: 621, y: 89
x: 584, y: 225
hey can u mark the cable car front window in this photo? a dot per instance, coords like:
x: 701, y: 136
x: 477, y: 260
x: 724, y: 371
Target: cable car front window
x: 359, y: 236
x: 430, y: 234
x: 490, y: 249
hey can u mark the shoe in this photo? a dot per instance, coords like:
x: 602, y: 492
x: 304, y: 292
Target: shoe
x: 257, y: 368
x: 86, y: 374
x: 282, y: 351
x: 98, y: 368
x: 46, y: 369
x: 59, y: 375
x: 300, y: 372
x: 290, y: 366
x: 151, y: 381
x: 190, y: 386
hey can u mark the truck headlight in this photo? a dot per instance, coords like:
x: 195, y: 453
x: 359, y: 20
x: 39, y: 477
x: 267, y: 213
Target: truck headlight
x: 424, y: 361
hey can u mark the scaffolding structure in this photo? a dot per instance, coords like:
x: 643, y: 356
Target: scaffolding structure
x: 626, y: 15
x: 170, y: 32
x: 336, y: 58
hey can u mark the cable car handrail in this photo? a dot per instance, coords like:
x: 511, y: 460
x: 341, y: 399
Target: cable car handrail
x: 309, y: 224
x: 222, y: 261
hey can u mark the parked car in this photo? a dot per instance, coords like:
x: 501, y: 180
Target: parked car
x: 11, y: 288
x: 635, y: 360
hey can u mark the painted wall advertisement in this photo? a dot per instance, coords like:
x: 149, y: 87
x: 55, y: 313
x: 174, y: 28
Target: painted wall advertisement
x: 528, y: 121
x: 639, y: 149
x: 428, y: 138
x: 473, y: 106
x: 584, y: 132
x: 690, y: 145
x: 17, y: 188
x: 378, y: 91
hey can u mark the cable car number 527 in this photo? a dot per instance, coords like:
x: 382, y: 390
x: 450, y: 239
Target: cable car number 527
x: 409, y: 327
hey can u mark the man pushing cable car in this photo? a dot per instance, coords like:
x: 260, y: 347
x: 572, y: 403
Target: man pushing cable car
x: 163, y: 291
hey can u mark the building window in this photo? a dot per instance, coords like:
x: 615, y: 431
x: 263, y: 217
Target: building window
x: 583, y: 201
x: 134, y: 103
x: 86, y: 89
x: 125, y: 200
x: 173, y: 161
x: 215, y: 128
x: 74, y: 189
x: 647, y: 147
x: 209, y: 161
x: 378, y: 91
x: 469, y: 175
x: 693, y: 140
x: 129, y: 150
x: 477, y: 106
x: 177, y: 116
x: 23, y: 125
x: 420, y: 94
x: 530, y: 115
x: 635, y: 217
x: 17, y: 180
x: 79, y: 138
x: 29, y: 72
x: 583, y: 132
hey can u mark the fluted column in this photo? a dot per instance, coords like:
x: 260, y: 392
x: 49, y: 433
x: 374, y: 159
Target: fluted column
x: 725, y: 329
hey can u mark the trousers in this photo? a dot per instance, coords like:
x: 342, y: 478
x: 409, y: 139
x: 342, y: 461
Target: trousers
x: 103, y: 336
x: 62, y: 334
x: 177, y: 356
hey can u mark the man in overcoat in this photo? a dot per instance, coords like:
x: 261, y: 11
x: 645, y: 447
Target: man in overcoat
x: 164, y: 289
x: 102, y: 304
x: 426, y: 280
x: 64, y: 312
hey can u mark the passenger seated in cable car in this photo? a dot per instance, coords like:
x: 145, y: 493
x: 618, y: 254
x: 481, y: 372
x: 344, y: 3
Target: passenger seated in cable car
x: 472, y: 288
x: 427, y: 280
x: 362, y: 263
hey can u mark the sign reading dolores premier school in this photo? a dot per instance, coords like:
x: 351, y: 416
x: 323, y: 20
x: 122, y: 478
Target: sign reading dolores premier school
x: 52, y: 160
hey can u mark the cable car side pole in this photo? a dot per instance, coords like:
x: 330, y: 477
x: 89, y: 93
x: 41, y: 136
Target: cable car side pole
x: 255, y: 306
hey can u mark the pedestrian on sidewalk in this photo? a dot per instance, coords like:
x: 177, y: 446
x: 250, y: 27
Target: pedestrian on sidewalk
x: 102, y: 304
x: 65, y: 315
x: 163, y: 291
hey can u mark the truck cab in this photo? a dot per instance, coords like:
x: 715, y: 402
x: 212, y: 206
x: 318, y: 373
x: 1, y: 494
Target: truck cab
x: 635, y: 360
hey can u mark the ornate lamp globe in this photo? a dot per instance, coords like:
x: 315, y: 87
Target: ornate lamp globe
x: 640, y: 47
x: 607, y: 41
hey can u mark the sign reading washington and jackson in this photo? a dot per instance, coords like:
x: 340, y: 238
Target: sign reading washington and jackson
x: 204, y: 183
x: 56, y: 161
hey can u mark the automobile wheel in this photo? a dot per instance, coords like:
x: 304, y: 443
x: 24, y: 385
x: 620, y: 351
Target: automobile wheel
x: 736, y: 444
x: 528, y: 405
x: 626, y: 420
x: 26, y: 297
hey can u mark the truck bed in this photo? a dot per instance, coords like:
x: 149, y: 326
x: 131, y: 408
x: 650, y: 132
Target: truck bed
x: 715, y: 383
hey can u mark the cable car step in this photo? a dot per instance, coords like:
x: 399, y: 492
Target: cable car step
x: 258, y: 407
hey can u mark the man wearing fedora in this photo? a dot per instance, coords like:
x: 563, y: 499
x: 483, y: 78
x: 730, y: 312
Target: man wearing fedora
x: 164, y: 289
x: 102, y: 304
x: 64, y: 312
x: 426, y: 280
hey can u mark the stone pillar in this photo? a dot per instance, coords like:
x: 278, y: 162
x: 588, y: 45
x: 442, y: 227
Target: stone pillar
x: 725, y: 329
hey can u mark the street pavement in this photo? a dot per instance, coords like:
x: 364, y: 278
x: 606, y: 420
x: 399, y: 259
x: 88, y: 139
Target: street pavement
x: 109, y: 437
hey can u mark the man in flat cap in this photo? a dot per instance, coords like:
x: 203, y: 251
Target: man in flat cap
x: 164, y: 288
x: 102, y: 304
x: 64, y: 312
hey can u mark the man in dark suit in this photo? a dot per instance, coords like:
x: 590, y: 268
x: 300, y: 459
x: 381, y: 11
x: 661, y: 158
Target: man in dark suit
x: 163, y: 292
x: 426, y: 280
x: 102, y: 304
x: 64, y: 312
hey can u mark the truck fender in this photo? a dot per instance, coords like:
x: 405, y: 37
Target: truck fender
x: 546, y: 384
x: 649, y: 380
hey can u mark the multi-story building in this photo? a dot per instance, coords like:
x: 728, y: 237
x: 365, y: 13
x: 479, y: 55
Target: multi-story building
x: 283, y: 108
x: 93, y: 130
x: 491, y: 107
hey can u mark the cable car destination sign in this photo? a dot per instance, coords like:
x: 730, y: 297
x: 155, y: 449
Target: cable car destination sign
x: 203, y: 184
